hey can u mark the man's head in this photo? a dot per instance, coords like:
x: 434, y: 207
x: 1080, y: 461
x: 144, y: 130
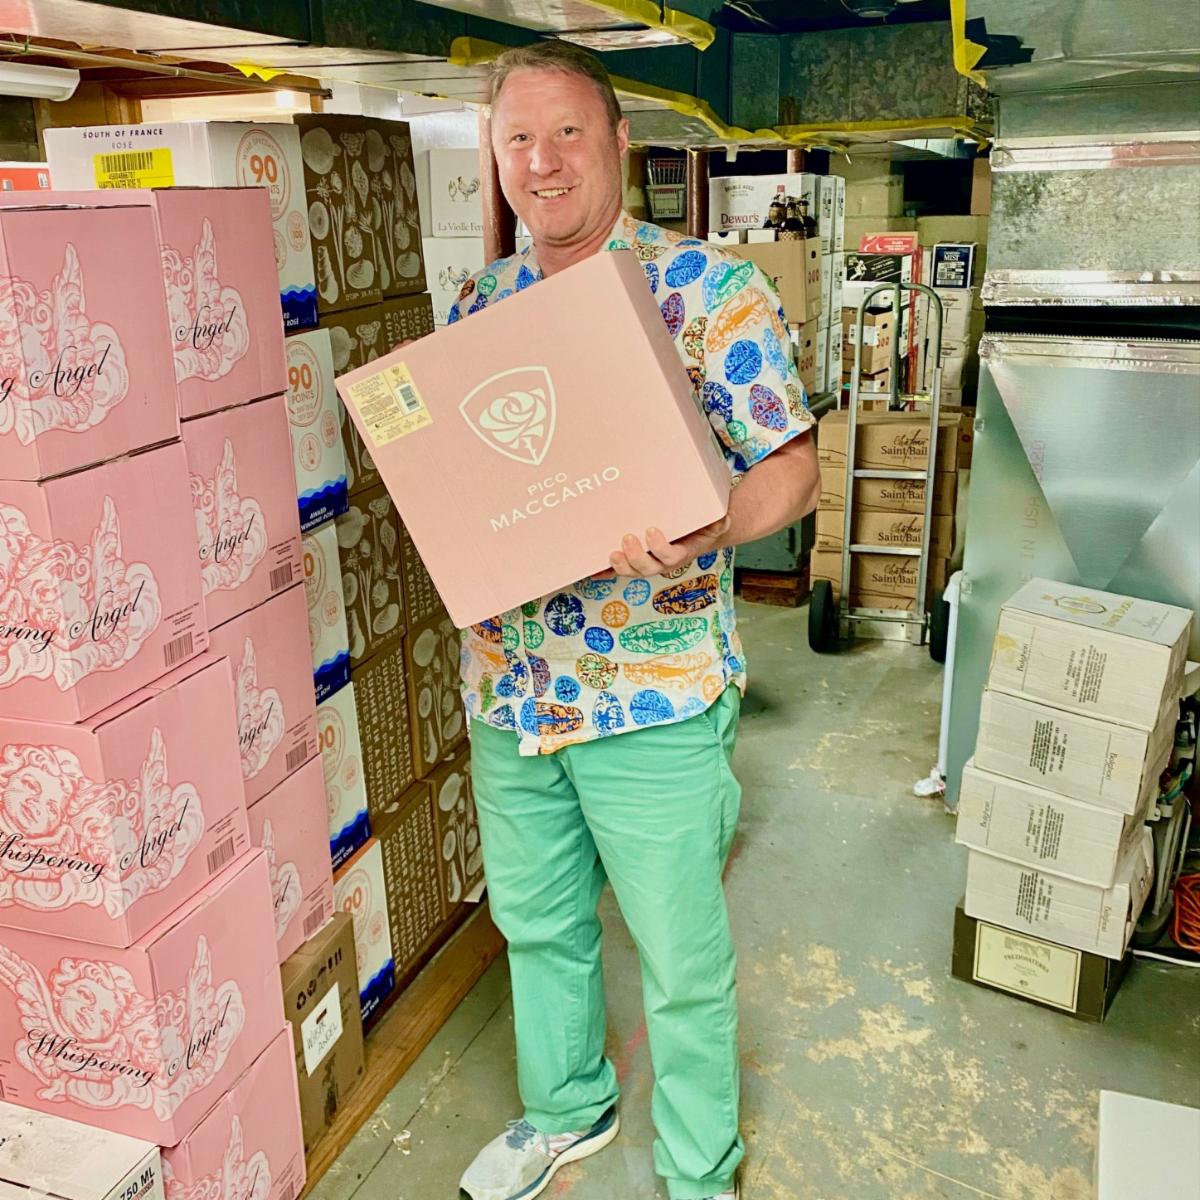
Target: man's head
x: 559, y: 138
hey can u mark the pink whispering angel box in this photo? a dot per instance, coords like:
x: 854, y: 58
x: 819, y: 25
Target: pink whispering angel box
x: 86, y: 368
x: 244, y: 495
x: 267, y: 648
x: 218, y: 262
x: 250, y: 1145
x: 108, y: 826
x: 144, y: 1041
x: 290, y: 825
x: 100, y: 590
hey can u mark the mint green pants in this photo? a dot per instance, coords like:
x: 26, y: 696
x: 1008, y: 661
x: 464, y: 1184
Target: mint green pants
x: 654, y: 812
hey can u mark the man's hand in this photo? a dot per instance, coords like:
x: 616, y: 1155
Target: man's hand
x: 658, y: 556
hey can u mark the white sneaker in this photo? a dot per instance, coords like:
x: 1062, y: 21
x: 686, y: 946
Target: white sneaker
x: 520, y: 1164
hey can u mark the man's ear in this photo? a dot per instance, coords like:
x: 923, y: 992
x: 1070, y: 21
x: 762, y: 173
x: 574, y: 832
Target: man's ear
x: 623, y: 136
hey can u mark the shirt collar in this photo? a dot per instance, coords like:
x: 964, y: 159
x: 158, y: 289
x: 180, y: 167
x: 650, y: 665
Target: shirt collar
x: 621, y: 237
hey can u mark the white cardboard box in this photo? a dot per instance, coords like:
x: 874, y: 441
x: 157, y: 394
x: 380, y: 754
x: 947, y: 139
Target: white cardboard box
x: 956, y: 313
x: 455, y: 200
x: 345, y: 783
x: 449, y: 263
x: 1080, y: 915
x: 1090, y: 652
x: 358, y: 889
x: 822, y: 370
x: 743, y: 201
x: 1029, y: 825
x: 1080, y: 757
x: 1147, y: 1149
x: 728, y: 237
x: 43, y: 1157
x: 203, y: 154
x: 328, y: 632
x: 313, y: 412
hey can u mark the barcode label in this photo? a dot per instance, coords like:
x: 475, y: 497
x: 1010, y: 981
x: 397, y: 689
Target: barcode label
x: 178, y: 649
x: 220, y: 856
x: 134, y: 160
x: 281, y: 577
x: 296, y: 758
x: 409, y: 398
x: 314, y: 922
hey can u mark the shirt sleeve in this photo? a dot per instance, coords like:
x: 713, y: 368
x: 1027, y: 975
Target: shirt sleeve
x: 751, y: 391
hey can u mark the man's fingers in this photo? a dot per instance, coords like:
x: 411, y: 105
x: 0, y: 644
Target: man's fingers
x: 666, y: 553
x: 642, y: 562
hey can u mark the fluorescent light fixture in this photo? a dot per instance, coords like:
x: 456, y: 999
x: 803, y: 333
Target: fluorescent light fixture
x: 286, y: 99
x: 39, y: 83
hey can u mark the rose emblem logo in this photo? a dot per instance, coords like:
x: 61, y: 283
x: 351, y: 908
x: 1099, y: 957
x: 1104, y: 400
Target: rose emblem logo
x: 514, y: 413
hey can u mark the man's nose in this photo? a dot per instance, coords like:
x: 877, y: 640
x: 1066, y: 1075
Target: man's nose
x: 545, y: 160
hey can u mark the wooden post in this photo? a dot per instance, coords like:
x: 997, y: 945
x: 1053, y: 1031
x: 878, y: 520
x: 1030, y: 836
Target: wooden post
x: 697, y: 193
x: 499, y: 221
x: 796, y: 158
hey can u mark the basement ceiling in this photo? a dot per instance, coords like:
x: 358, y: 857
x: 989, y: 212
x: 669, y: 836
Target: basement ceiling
x: 805, y: 16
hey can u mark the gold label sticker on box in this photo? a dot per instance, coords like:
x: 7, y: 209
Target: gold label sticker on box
x: 1027, y: 966
x: 135, y: 169
x: 390, y: 405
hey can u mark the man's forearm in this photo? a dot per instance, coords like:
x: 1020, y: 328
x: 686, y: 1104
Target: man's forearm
x: 774, y: 493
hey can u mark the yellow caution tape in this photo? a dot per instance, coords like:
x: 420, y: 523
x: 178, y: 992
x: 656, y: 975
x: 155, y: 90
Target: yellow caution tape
x: 966, y: 52
x: 252, y: 70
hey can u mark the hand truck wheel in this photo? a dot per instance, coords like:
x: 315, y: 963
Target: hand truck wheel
x: 822, y: 618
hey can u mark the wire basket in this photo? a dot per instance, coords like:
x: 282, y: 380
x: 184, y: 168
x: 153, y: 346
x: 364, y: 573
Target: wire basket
x: 666, y: 188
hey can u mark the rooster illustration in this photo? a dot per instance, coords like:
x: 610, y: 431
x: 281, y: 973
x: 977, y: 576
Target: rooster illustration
x: 462, y: 190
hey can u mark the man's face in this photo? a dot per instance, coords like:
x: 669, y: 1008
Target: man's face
x: 558, y: 155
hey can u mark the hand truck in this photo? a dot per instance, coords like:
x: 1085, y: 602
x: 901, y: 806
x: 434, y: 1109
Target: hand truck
x: 828, y: 621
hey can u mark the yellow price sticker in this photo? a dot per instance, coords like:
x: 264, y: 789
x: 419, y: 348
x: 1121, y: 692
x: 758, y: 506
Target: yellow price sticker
x: 135, y: 169
x: 389, y: 404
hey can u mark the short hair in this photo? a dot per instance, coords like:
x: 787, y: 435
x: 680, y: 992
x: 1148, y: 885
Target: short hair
x: 553, y: 55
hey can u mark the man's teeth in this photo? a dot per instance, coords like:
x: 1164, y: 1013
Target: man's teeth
x: 550, y: 193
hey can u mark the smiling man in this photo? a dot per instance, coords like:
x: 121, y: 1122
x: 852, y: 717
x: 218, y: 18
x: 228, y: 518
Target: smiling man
x: 603, y: 718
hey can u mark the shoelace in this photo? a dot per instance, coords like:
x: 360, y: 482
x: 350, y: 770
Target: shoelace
x: 520, y: 1134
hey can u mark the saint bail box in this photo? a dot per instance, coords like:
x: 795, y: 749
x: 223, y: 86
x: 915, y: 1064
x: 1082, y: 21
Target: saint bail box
x: 491, y: 439
x: 43, y: 1157
x: 109, y: 825
x: 144, y: 1041
x: 100, y: 591
x: 86, y: 373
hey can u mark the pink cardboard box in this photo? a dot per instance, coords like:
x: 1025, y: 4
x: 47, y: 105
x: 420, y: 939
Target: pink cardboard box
x: 250, y: 1145
x: 222, y: 296
x: 100, y: 592
x: 108, y: 826
x: 244, y: 493
x: 85, y: 361
x: 267, y: 648
x: 489, y: 441
x: 144, y: 1041
x: 291, y: 826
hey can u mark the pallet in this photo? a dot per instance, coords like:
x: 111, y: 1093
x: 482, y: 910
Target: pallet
x: 397, y: 1039
x: 782, y: 589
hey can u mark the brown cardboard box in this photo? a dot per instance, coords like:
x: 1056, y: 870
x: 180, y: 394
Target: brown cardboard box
x: 320, y: 996
x: 437, y: 721
x: 407, y: 318
x: 804, y: 339
x: 368, y: 537
x: 362, y: 206
x: 421, y: 599
x: 460, y: 866
x: 888, y: 441
x: 888, y: 495
x: 381, y: 699
x: 858, y: 228
x: 1074, y: 982
x: 879, y: 580
x: 796, y: 269
x: 981, y: 187
x: 966, y: 433
x: 410, y: 875
x: 885, y: 529
x: 877, y: 384
x: 356, y: 337
x: 878, y: 333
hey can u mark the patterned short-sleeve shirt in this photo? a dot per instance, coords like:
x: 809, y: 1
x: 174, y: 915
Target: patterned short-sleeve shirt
x: 606, y: 657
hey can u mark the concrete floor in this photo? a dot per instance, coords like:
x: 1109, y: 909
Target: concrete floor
x: 868, y: 1072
